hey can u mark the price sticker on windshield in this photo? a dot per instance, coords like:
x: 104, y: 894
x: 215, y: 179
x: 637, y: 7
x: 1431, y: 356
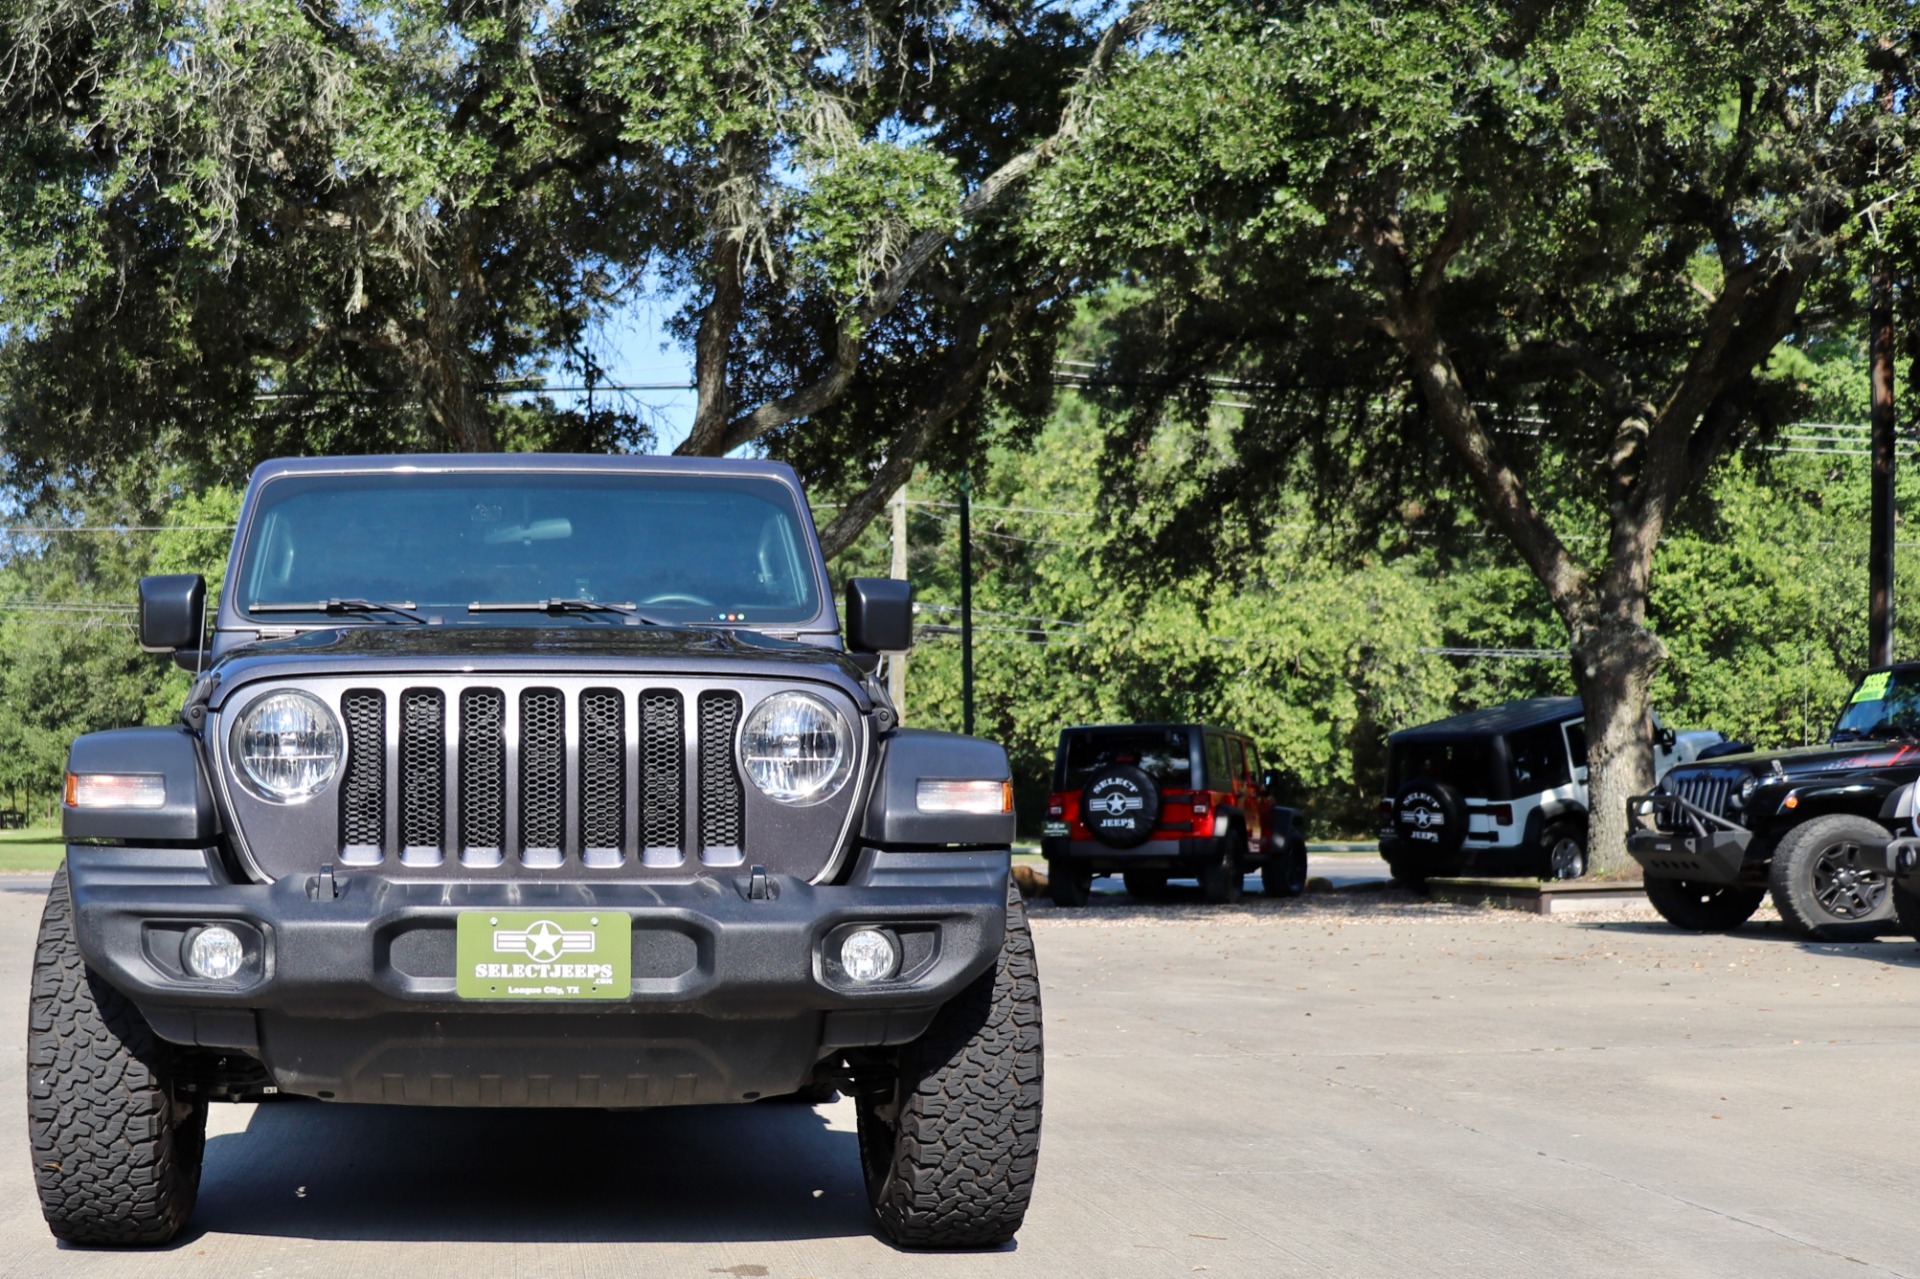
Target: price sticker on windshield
x: 1873, y: 688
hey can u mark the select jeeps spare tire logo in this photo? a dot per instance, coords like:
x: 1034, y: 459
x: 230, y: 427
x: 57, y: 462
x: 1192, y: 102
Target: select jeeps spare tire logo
x: 544, y: 955
x: 1120, y: 806
x: 1424, y: 814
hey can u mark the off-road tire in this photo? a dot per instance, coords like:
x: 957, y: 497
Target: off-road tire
x: 949, y: 1151
x: 1286, y: 875
x: 1224, y: 879
x: 1704, y: 908
x: 1146, y: 885
x: 1068, y: 885
x: 1407, y: 875
x: 1906, y: 909
x: 1802, y: 874
x: 115, y: 1156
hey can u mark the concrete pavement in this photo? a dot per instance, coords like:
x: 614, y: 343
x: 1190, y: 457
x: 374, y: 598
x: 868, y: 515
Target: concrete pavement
x: 1349, y: 1085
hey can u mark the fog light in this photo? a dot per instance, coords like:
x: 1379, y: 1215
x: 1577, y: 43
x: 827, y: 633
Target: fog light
x: 215, y: 953
x: 868, y: 955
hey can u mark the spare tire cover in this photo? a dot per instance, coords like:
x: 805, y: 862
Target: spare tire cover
x: 1430, y: 817
x: 1120, y: 805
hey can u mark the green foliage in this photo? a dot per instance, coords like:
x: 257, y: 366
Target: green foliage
x: 1318, y: 651
x: 69, y: 660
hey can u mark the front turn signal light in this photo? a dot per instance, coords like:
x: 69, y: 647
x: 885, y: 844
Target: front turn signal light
x: 984, y: 798
x: 116, y: 790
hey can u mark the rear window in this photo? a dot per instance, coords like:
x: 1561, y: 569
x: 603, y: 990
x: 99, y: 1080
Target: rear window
x: 1161, y: 753
x: 1468, y: 766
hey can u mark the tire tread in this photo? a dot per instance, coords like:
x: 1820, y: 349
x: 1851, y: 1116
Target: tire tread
x: 966, y: 1143
x: 115, y: 1160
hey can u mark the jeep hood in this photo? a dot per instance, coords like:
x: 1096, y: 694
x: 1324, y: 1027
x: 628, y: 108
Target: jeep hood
x: 1806, y: 762
x: 558, y: 650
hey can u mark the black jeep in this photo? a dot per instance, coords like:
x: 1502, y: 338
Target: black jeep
x: 533, y: 781
x: 1810, y: 824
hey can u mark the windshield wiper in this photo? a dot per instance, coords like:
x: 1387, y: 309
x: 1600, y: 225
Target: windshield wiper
x: 559, y: 607
x: 335, y: 608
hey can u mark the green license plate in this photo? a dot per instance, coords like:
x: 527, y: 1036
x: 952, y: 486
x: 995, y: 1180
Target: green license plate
x: 546, y: 954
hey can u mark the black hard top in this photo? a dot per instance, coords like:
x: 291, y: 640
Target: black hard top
x: 1134, y: 728
x: 1488, y: 721
x: 431, y: 463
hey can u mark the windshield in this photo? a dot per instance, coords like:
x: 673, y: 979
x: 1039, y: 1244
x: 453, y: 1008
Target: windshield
x: 1161, y: 753
x: 1886, y: 704
x: 682, y: 549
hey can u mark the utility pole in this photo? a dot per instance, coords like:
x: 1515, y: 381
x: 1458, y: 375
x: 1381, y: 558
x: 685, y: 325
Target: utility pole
x: 897, y: 662
x: 1880, y: 373
x: 1881, y: 521
x: 966, y: 607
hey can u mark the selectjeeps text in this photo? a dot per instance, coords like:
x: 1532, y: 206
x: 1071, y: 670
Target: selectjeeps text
x: 533, y: 781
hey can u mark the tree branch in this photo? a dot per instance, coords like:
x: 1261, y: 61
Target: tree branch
x: 978, y: 203
x: 1410, y: 319
x: 962, y: 373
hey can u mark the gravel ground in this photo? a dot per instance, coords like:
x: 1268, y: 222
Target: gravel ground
x: 1351, y: 1084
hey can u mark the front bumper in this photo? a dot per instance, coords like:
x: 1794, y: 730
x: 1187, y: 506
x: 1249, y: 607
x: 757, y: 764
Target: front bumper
x: 1690, y: 843
x: 353, y: 996
x: 1898, y: 858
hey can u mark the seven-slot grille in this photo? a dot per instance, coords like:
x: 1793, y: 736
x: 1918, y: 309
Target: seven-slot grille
x: 540, y: 775
x: 1706, y: 790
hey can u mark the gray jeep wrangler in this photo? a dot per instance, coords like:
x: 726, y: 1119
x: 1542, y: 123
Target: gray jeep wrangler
x: 533, y: 781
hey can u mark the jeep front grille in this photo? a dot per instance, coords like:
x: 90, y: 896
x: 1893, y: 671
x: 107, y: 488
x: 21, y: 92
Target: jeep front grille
x: 513, y: 771
x: 1706, y: 790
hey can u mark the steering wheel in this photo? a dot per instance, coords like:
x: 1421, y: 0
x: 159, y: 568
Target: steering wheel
x: 675, y: 597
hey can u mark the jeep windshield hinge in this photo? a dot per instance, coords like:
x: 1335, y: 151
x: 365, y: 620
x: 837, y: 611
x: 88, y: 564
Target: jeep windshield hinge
x: 194, y: 713
x: 759, y: 887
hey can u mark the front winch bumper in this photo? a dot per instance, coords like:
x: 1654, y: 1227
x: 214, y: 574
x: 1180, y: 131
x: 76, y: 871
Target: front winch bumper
x: 1685, y: 841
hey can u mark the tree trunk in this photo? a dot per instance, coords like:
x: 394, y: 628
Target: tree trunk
x: 1614, y: 664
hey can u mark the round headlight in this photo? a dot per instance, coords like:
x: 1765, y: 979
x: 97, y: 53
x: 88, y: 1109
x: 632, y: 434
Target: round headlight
x: 796, y: 748
x: 288, y: 746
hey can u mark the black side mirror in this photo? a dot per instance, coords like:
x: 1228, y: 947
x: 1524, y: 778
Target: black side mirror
x: 1271, y: 781
x: 1665, y: 737
x: 879, y: 615
x: 173, y: 609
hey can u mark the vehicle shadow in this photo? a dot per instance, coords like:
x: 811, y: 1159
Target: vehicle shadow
x: 1890, y: 948
x: 313, y: 1170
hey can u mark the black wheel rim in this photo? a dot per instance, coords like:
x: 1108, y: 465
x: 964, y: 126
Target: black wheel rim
x: 1844, y: 889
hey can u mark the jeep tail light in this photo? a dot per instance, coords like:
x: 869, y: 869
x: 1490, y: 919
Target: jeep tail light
x: 936, y: 795
x: 1056, y: 809
x: 116, y: 790
x: 1386, y: 808
x: 1502, y: 814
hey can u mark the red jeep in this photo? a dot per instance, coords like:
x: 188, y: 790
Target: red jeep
x: 1155, y: 802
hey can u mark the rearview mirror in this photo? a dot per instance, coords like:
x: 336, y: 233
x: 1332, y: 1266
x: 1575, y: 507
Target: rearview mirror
x: 879, y: 615
x: 173, y: 609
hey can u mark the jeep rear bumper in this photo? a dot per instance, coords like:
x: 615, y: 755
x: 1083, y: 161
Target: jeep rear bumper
x: 1185, y: 855
x: 352, y: 997
x: 1687, y: 843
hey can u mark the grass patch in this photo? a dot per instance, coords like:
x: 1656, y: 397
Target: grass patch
x: 36, y: 848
